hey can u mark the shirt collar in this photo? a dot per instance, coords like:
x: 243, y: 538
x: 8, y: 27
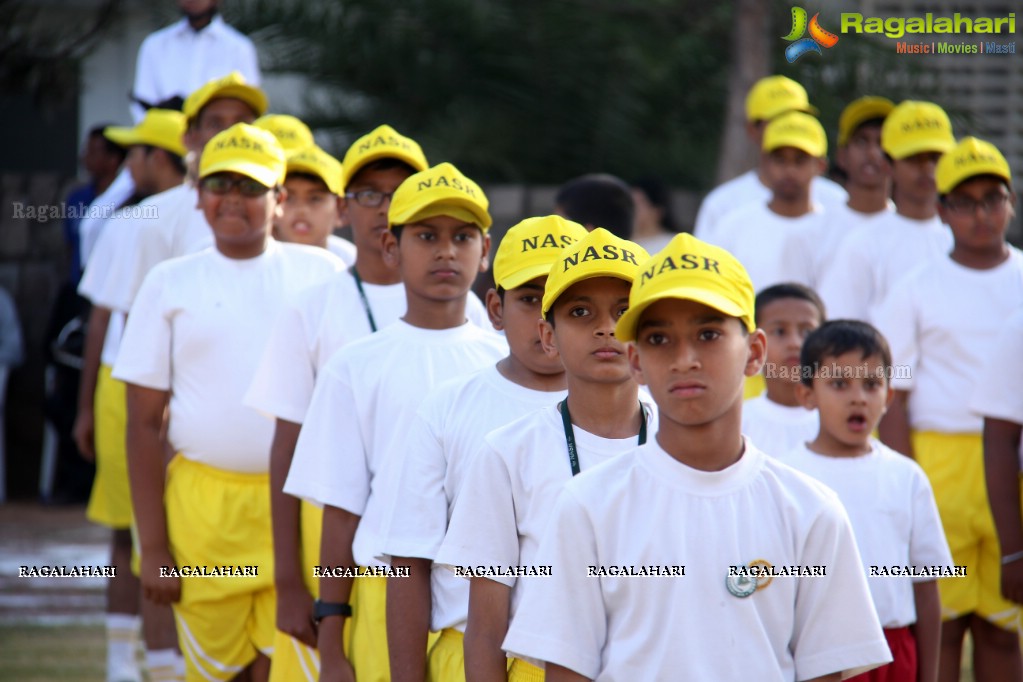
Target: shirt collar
x: 215, y: 27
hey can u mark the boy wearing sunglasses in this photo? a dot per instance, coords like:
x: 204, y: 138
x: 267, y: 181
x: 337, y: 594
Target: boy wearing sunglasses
x: 191, y: 344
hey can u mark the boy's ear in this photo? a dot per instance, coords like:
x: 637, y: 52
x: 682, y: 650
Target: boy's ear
x: 550, y: 348
x: 280, y: 196
x: 806, y: 397
x: 637, y: 369
x: 757, y: 352
x: 888, y: 398
x: 391, y: 252
x: 822, y: 165
x: 485, y: 258
x: 495, y: 309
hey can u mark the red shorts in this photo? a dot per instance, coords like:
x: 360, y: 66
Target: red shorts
x: 903, y: 666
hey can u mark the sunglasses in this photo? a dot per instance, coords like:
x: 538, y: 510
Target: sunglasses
x: 221, y: 184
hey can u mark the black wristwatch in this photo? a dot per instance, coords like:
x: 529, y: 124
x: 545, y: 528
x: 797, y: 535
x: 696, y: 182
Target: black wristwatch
x: 323, y: 609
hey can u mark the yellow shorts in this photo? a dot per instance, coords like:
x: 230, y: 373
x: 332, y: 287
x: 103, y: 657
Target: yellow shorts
x: 523, y: 671
x: 218, y: 518
x: 446, y: 660
x: 954, y: 463
x: 367, y: 645
x: 754, y: 386
x: 292, y: 659
x: 110, y: 501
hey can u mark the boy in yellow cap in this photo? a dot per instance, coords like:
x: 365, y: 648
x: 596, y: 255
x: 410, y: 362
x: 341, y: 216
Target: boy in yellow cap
x: 155, y: 161
x: 290, y: 131
x: 942, y: 322
x: 443, y: 440
x: 353, y: 304
x: 506, y: 498
x: 776, y: 240
x: 769, y: 98
x: 438, y: 241
x: 691, y: 553
x: 313, y: 208
x: 190, y: 346
x: 180, y: 228
x: 866, y: 264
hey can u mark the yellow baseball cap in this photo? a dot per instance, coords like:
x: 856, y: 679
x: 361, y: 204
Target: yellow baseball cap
x: 291, y: 132
x: 161, y: 128
x: 775, y: 95
x: 441, y: 190
x: 858, y: 112
x: 232, y: 85
x: 529, y: 249
x: 598, y: 254
x: 916, y: 127
x: 968, y: 159
x: 382, y: 143
x: 796, y: 129
x: 244, y: 149
x: 315, y: 161
x: 693, y: 270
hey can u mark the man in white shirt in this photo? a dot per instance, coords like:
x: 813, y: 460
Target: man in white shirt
x: 768, y: 98
x: 179, y: 58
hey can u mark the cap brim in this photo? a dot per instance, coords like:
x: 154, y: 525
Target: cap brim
x: 768, y: 116
x: 411, y: 160
x: 801, y: 145
x: 300, y: 167
x: 920, y: 147
x: 455, y: 207
x: 550, y: 298
x: 251, y: 96
x: 868, y: 111
x: 994, y: 171
x: 625, y: 330
x: 260, y: 174
x: 122, y: 137
x: 524, y: 275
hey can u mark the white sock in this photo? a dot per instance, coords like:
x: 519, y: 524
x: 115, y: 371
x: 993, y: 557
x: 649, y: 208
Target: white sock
x: 122, y: 635
x: 162, y: 665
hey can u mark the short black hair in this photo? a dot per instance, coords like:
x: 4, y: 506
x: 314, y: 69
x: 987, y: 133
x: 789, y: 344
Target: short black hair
x: 309, y: 177
x: 599, y: 200
x: 986, y: 176
x: 108, y: 146
x: 659, y: 194
x: 384, y: 164
x: 177, y: 161
x: 876, y: 122
x: 839, y: 337
x: 788, y: 290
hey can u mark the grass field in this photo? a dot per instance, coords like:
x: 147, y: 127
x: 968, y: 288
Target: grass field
x: 41, y: 653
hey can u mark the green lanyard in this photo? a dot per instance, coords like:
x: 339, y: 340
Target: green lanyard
x: 365, y: 301
x: 573, y: 451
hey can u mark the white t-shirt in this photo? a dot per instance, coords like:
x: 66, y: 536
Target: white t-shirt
x: 100, y: 211
x: 178, y: 229
x: 646, y: 508
x: 747, y: 189
x: 365, y: 399
x: 772, y: 248
x: 894, y: 517
x: 841, y: 222
x: 775, y: 428
x: 197, y: 329
x: 998, y: 393
x: 510, y: 488
x: 942, y: 323
x: 342, y: 248
x: 442, y: 442
x: 313, y: 326
x: 177, y: 60
x: 868, y: 262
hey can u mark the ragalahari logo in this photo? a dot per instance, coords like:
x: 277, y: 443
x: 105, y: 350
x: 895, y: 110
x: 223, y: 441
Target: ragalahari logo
x: 818, y: 36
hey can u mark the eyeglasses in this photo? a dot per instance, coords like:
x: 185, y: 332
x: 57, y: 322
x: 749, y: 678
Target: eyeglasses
x: 369, y: 198
x: 221, y: 184
x: 992, y: 203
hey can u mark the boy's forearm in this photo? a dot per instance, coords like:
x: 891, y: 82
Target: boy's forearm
x: 96, y: 332
x: 489, y: 609
x: 146, y: 467
x: 927, y: 630
x: 339, y: 528
x: 894, y: 428
x: 285, y: 509
x: 408, y: 619
x: 556, y: 673
x: 1001, y: 471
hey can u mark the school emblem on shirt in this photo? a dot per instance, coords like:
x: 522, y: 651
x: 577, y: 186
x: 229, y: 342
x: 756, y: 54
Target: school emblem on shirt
x: 740, y: 585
